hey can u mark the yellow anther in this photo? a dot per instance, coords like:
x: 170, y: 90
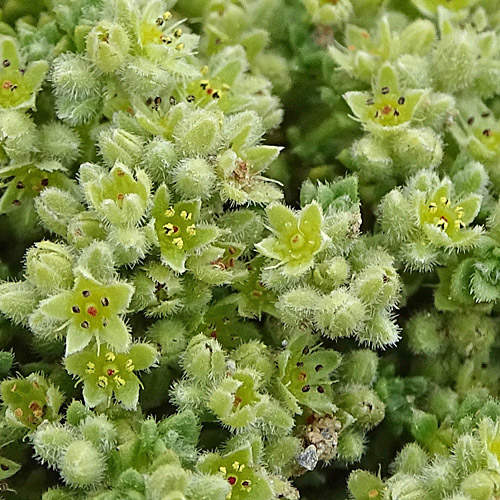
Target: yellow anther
x: 184, y: 214
x: 432, y: 207
x: 459, y: 211
x: 223, y: 470
x: 204, y: 70
x: 167, y: 16
x: 102, y: 382
x: 18, y: 412
x: 170, y: 212
x: 191, y: 230
x: 236, y: 466
x: 179, y: 46
x: 166, y: 39
x: 119, y: 382
x: 90, y: 368
x: 442, y: 223
x: 178, y: 242
x: 177, y: 32
x: 110, y: 356
x: 129, y: 365
x: 169, y: 228
x: 242, y: 466
x: 444, y: 200
x: 225, y: 87
x: 459, y: 224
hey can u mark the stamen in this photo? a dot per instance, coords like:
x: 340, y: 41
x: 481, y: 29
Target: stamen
x: 90, y: 368
x: 102, y: 382
x: 401, y: 101
x: 110, y: 356
x: 385, y: 90
x: 178, y: 242
x: 75, y: 309
x: 306, y: 388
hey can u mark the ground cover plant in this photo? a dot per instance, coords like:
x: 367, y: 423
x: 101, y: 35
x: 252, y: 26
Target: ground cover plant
x: 250, y: 249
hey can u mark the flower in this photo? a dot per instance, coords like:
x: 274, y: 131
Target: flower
x: 445, y: 222
x: 178, y: 229
x: 388, y: 107
x: 18, y: 85
x: 92, y: 309
x: 296, y: 239
x: 240, y: 471
x: 105, y: 373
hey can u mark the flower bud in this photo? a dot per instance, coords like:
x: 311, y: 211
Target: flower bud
x: 108, y: 46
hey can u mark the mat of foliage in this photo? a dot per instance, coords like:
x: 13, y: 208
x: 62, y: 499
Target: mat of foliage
x: 249, y: 249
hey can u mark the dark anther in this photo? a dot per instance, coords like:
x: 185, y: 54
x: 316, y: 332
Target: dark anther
x: 149, y: 101
x: 216, y: 95
x: 470, y: 121
x: 300, y: 364
x: 22, y: 71
x: 321, y: 389
x: 44, y: 182
x: 486, y: 114
x: 104, y: 322
x: 484, y: 365
x: 105, y: 301
x: 401, y: 100
x: 6, y: 63
x: 160, y: 21
x: 173, y: 101
x: 306, y: 388
x: 305, y: 351
x: 487, y: 132
x: 158, y: 100
x: 86, y: 293
x: 370, y: 102
x: 20, y: 185
x: 190, y: 98
x: 75, y: 309
x: 16, y: 203
x: 318, y: 367
x: 4, y: 467
x: 85, y: 324
x: 385, y: 90
x: 396, y: 112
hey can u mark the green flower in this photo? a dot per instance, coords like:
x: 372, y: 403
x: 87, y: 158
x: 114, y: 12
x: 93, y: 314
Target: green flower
x: 388, y: 107
x: 296, y: 239
x: 31, y: 400
x: 118, y: 196
x: 445, y: 222
x: 92, y: 309
x: 241, y: 471
x: 304, y: 375
x: 105, y: 373
x: 18, y: 85
x: 179, y: 231
x: 26, y: 182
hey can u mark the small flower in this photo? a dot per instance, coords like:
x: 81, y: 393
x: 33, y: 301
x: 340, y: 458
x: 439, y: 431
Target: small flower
x: 445, y: 222
x: 105, y: 373
x: 18, y: 85
x: 178, y: 229
x: 26, y: 182
x: 241, y: 472
x: 304, y: 371
x: 297, y: 237
x: 118, y: 196
x: 92, y: 309
x: 31, y: 400
x: 388, y: 107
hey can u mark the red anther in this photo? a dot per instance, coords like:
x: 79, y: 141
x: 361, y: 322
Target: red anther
x: 386, y: 109
x: 231, y: 480
x: 110, y: 372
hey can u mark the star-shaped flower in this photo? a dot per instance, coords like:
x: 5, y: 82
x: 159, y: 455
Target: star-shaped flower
x: 105, y: 373
x: 92, y: 309
x: 297, y: 237
x: 18, y: 85
x: 240, y: 471
x: 179, y: 231
x: 387, y: 107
